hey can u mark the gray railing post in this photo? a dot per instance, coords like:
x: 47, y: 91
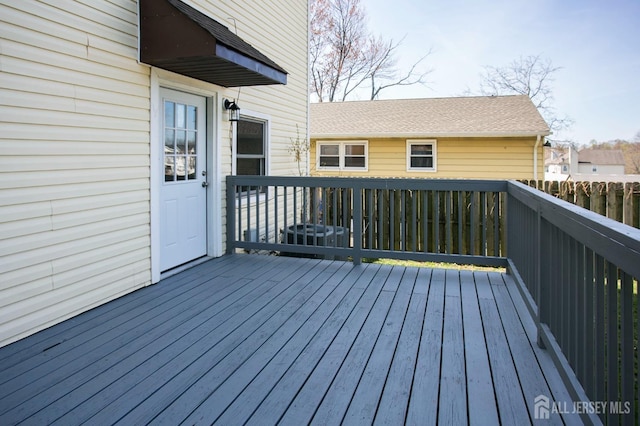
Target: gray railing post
x: 231, y: 215
x: 357, y: 223
x: 541, y: 288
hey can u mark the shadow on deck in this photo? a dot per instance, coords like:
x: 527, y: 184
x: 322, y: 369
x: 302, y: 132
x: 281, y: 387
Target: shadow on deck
x: 269, y: 339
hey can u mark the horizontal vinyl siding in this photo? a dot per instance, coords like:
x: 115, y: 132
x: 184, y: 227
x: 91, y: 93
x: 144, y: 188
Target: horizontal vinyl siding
x: 74, y: 160
x: 457, y: 158
x: 279, y: 29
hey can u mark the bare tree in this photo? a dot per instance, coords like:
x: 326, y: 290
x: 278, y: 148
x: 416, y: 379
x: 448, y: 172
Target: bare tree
x: 345, y: 57
x: 532, y: 76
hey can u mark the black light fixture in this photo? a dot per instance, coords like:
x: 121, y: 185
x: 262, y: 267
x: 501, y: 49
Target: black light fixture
x: 233, y: 108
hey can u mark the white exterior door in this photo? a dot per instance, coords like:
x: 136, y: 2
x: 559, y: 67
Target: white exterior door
x: 183, y: 198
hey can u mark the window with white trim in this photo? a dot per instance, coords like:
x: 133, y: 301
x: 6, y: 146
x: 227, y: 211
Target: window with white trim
x: 342, y: 155
x: 252, y: 147
x: 421, y: 155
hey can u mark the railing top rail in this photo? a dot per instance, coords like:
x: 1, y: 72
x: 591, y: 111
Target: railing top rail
x: 615, y: 241
x: 373, y: 183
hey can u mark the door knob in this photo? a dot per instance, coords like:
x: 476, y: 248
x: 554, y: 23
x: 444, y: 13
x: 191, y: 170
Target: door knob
x: 205, y: 184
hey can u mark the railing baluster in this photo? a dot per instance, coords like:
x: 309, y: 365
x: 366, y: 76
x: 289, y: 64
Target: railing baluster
x: 461, y: 215
x: 238, y: 209
x: 448, y: 225
x: 275, y: 214
x: 472, y: 223
x: 436, y: 221
x: 403, y: 224
x: 425, y: 221
x: 588, y: 348
x: 626, y: 342
x: 496, y: 224
x: 612, y: 336
x: 414, y: 220
x: 580, y: 307
x: 392, y: 220
x: 600, y: 330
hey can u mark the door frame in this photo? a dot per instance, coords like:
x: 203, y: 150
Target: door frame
x: 165, y: 79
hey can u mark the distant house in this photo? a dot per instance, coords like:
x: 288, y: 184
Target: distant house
x: 562, y: 163
x: 601, y: 161
x: 116, y: 139
x: 489, y: 137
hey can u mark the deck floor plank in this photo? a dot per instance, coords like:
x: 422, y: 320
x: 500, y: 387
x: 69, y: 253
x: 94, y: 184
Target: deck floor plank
x: 311, y: 393
x: 229, y: 342
x: 558, y: 390
x: 267, y: 339
x: 510, y: 400
x: 523, y: 356
x: 481, y: 394
x: 320, y: 358
x: 230, y: 397
x: 72, y: 367
x: 393, y: 405
x: 337, y: 399
x: 183, y: 321
x: 452, y: 407
x: 423, y: 403
x: 36, y: 343
x: 75, y: 332
x: 365, y: 401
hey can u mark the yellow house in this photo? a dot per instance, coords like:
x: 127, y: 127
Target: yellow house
x: 488, y: 137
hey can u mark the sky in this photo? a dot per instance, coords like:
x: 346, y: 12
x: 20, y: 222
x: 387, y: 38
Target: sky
x: 595, y: 42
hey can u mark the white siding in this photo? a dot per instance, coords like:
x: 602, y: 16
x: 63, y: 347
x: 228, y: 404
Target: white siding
x: 75, y: 146
x: 279, y: 29
x: 74, y: 161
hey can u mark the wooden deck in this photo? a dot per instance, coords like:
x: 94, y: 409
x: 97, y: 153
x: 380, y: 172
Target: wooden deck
x: 266, y: 339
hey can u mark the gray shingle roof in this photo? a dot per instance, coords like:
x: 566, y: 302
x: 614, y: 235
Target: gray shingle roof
x: 430, y: 117
x: 601, y: 156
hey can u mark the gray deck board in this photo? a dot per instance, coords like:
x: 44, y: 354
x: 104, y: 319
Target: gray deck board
x: 452, y: 407
x: 266, y: 340
x: 480, y: 391
x: 423, y: 402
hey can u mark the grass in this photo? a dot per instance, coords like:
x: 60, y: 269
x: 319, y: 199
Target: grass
x: 441, y: 265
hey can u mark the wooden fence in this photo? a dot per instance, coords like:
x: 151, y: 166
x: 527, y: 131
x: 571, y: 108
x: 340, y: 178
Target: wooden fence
x: 615, y: 200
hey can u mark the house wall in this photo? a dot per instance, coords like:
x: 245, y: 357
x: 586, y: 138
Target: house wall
x: 75, y: 147
x: 491, y: 158
x: 601, y: 169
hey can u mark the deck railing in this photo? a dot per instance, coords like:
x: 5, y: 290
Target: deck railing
x: 581, y: 271
x: 577, y: 270
x: 454, y: 221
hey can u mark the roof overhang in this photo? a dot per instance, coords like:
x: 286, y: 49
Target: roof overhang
x: 178, y: 38
x: 428, y: 135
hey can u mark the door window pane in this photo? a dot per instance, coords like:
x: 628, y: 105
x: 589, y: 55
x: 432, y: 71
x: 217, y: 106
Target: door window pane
x: 169, y: 168
x: 169, y: 114
x: 180, y: 144
x: 191, y: 117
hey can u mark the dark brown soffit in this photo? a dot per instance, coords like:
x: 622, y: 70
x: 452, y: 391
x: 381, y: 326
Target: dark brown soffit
x: 179, y: 38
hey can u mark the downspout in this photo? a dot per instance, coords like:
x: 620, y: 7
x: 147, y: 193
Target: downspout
x: 535, y: 159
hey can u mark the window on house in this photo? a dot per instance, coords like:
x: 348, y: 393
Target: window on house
x: 421, y: 156
x: 342, y: 155
x: 251, y: 148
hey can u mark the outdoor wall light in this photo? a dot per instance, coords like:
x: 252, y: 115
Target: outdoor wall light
x: 233, y: 108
